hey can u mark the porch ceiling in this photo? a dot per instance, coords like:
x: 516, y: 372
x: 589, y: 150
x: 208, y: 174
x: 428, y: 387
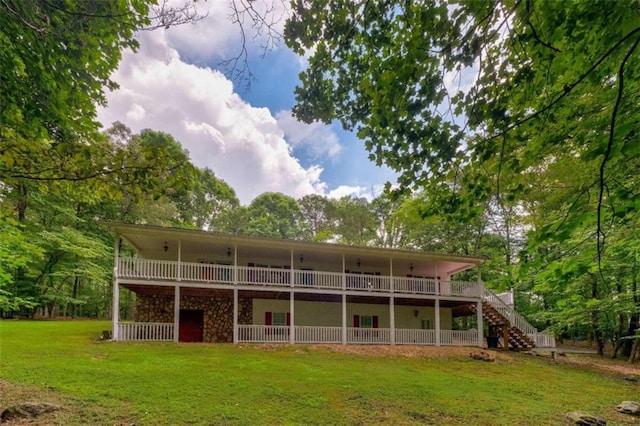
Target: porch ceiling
x: 462, y: 306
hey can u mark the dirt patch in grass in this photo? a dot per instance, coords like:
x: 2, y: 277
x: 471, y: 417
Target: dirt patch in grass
x: 403, y: 351
x: 11, y: 395
x: 602, y: 363
x: 71, y: 412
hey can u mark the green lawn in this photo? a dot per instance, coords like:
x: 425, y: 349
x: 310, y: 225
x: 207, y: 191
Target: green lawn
x: 166, y: 383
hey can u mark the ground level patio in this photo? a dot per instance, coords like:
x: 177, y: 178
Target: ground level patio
x: 217, y: 315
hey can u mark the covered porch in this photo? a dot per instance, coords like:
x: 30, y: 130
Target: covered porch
x: 178, y: 313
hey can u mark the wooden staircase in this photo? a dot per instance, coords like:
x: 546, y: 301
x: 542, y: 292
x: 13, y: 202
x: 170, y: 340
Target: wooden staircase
x: 517, y: 338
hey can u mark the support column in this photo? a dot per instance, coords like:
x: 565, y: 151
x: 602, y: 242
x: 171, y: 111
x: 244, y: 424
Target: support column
x: 344, y: 275
x: 176, y: 314
x: 235, y: 265
x: 480, y: 324
x: 344, y: 319
x: 505, y: 335
x: 115, y: 308
x: 392, y: 320
x: 235, y: 315
x: 391, y: 284
x: 292, y: 327
x: 179, y: 272
x: 292, y: 273
x: 437, y: 279
x: 437, y: 309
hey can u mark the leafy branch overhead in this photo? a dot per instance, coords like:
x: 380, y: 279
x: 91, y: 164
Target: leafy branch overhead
x: 430, y: 85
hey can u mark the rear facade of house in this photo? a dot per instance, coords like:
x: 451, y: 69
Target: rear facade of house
x: 196, y: 286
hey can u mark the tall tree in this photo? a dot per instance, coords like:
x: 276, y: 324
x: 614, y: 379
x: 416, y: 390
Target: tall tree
x: 509, y: 93
x: 275, y: 215
x: 319, y: 213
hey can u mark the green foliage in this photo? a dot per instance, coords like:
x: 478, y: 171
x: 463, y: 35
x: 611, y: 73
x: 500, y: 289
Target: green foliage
x: 275, y: 215
x: 55, y: 64
x: 517, y: 116
x: 15, y: 253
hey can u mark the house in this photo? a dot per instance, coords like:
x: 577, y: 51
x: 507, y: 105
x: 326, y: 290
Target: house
x: 197, y: 286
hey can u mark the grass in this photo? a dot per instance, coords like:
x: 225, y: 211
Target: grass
x: 165, y: 383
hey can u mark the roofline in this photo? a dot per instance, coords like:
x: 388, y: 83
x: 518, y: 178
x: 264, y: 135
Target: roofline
x: 120, y: 228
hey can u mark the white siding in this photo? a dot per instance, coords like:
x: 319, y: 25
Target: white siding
x: 330, y: 314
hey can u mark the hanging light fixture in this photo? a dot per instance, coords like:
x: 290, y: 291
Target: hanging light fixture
x: 358, y: 262
x: 165, y: 246
x: 411, y: 267
x: 229, y: 252
x: 301, y: 258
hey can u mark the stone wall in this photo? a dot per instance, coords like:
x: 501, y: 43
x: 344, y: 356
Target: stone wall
x: 218, y: 313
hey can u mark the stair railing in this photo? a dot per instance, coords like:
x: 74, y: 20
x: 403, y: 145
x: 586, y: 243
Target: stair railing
x: 517, y: 320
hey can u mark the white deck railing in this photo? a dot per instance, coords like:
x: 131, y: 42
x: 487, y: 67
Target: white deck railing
x: 406, y: 336
x: 263, y: 333
x: 146, y: 269
x: 459, y: 337
x: 355, y: 335
x: 306, y: 334
x: 368, y: 335
x: 541, y: 340
x: 145, y: 331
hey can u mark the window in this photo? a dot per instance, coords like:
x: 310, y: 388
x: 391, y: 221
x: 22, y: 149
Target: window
x: 365, y: 321
x: 279, y: 318
x: 426, y: 324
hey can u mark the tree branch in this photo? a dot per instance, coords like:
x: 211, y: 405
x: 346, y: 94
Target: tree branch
x: 600, y: 236
x: 569, y: 87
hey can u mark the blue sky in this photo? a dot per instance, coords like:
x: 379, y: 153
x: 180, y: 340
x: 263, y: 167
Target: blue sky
x: 247, y: 137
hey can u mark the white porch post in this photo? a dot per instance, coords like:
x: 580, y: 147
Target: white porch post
x: 292, y: 327
x: 437, y: 308
x: 344, y: 274
x: 344, y: 319
x: 235, y: 265
x: 480, y: 324
x: 115, y: 309
x: 179, y: 272
x: 391, y: 274
x: 235, y: 315
x: 392, y: 320
x: 437, y: 280
x: 292, y: 273
x: 176, y: 314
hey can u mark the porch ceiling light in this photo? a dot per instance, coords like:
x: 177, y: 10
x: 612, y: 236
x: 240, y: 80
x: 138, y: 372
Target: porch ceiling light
x: 358, y: 262
x: 301, y: 258
x: 165, y: 247
x: 411, y: 267
x: 229, y: 252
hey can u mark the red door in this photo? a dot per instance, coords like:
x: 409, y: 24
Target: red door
x: 191, y: 325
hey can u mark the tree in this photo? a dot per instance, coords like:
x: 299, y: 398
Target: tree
x: 210, y: 197
x: 356, y: 223
x: 275, y: 215
x: 319, y: 213
x: 499, y: 96
x: 55, y: 64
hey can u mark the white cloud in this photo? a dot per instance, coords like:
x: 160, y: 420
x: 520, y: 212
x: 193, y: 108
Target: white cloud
x: 243, y: 145
x: 316, y: 138
x: 347, y: 190
x: 216, y: 37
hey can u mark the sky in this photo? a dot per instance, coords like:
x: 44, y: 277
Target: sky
x: 248, y: 137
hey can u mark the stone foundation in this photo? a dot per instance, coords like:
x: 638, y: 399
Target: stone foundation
x: 218, y: 313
